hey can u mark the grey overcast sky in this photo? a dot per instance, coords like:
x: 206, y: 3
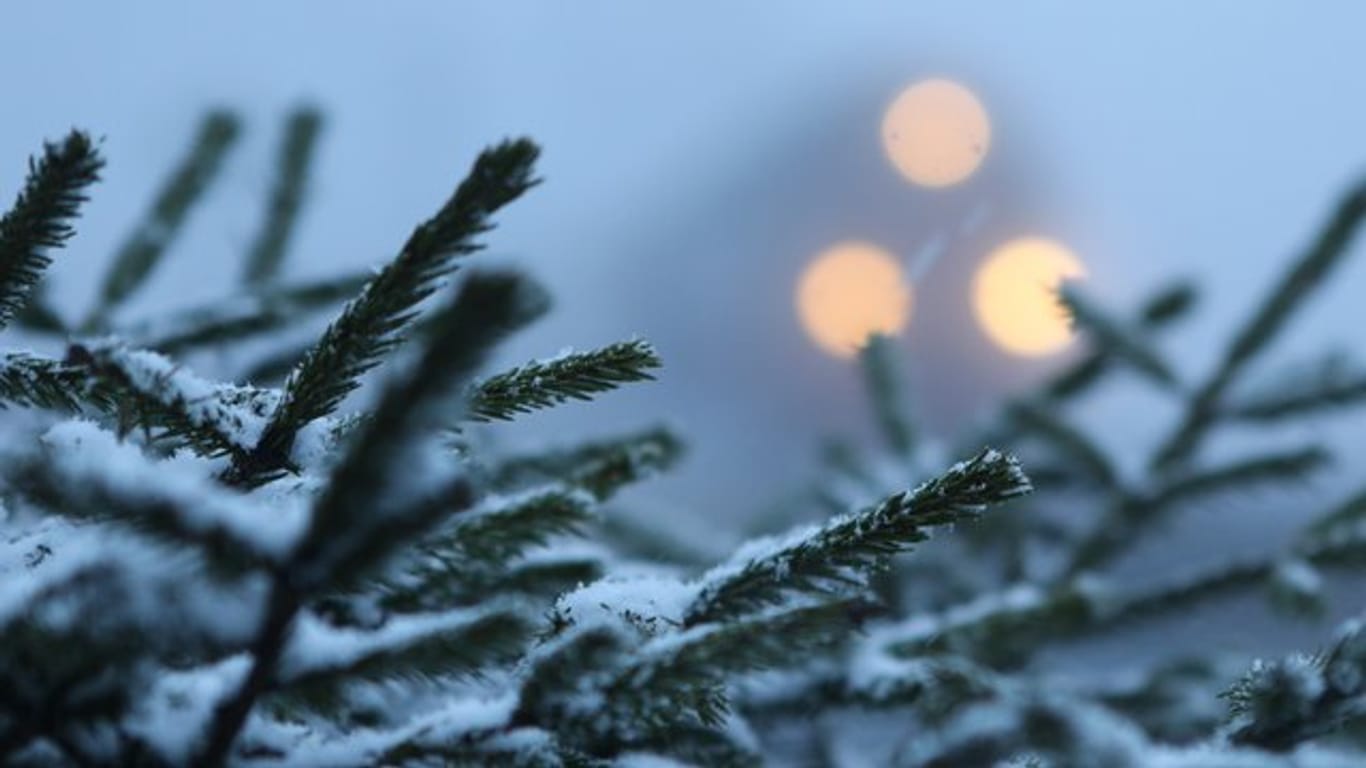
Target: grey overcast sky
x: 697, y: 153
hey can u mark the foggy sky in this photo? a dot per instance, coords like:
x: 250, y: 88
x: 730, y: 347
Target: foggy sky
x: 698, y: 153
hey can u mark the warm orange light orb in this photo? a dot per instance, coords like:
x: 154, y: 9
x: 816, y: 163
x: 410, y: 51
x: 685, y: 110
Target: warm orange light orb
x: 1015, y: 296
x: 849, y: 292
x: 936, y: 133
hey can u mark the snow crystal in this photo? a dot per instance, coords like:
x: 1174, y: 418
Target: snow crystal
x: 1298, y: 576
x: 239, y: 414
x: 317, y: 645
x: 651, y: 599
x: 84, y: 454
x: 173, y: 715
x: 924, y: 627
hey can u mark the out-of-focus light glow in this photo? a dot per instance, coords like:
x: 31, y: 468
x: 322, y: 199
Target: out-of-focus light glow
x: 1015, y: 296
x: 936, y: 133
x: 849, y: 292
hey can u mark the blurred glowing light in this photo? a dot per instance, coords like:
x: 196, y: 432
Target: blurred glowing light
x: 1014, y: 295
x: 936, y: 133
x: 849, y: 292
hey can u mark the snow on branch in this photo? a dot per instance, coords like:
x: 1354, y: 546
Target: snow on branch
x: 478, y: 546
x: 1281, y: 704
x: 570, y: 376
x: 837, y: 555
x: 684, y: 675
x: 320, y: 660
x: 394, y: 483
x: 157, y: 393
x: 40, y: 219
x: 85, y: 472
x: 31, y: 381
x: 373, y: 324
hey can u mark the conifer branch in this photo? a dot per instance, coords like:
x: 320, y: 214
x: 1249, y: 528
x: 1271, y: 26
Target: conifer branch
x: 356, y: 523
x: 1007, y: 627
x: 600, y: 467
x: 30, y: 381
x: 1342, y: 517
x: 143, y: 249
x: 40, y: 219
x: 1332, y: 384
x: 1159, y: 311
x: 1131, y: 515
x: 574, y: 376
x: 562, y: 668
x: 506, y: 531
x: 1280, y: 705
x: 373, y: 323
x: 1068, y: 441
x: 88, y: 476
x: 1297, y: 285
x: 886, y: 390
x: 684, y: 676
x: 547, y: 577
x: 245, y: 317
x: 155, y: 393
x: 838, y: 554
x: 1110, y: 334
x: 406, y: 649
x: 1273, y: 467
x: 286, y: 199
x: 477, y: 548
x: 349, y: 531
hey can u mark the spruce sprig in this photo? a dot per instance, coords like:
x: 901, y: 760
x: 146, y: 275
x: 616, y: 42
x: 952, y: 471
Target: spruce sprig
x: 543, y: 384
x: 40, y: 219
x: 1109, y: 333
x: 600, y: 467
x: 685, y: 677
x: 372, y: 324
x: 267, y: 253
x: 357, y: 522
x: 245, y: 317
x: 143, y: 250
x: 32, y: 381
x: 145, y: 390
x: 1303, y: 278
x: 842, y: 551
x: 885, y: 386
x: 409, y: 648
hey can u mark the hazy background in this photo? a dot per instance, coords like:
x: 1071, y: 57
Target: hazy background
x: 698, y: 154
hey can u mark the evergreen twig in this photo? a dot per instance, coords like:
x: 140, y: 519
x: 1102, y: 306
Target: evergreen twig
x: 354, y: 526
x: 1300, y: 282
x: 373, y: 323
x: 601, y: 467
x: 296, y: 155
x: 835, y: 554
x: 574, y: 376
x: 40, y: 220
x: 146, y: 245
x: 886, y: 390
